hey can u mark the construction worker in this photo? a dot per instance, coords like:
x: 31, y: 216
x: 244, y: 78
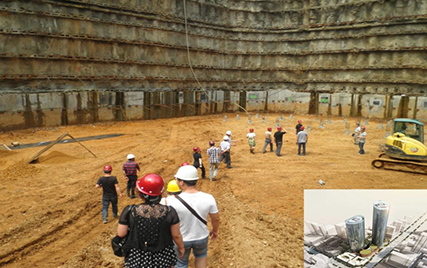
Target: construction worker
x: 153, y: 228
x: 251, y: 140
x: 356, y: 134
x: 225, y: 151
x: 173, y: 190
x: 298, y: 127
x: 268, y: 140
x: 198, y: 161
x: 130, y: 170
x: 302, y: 138
x: 213, y: 154
x: 362, y: 140
x: 110, y: 190
x: 193, y: 224
x: 278, y: 139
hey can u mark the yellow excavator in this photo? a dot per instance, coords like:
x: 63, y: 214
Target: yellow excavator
x: 404, y: 149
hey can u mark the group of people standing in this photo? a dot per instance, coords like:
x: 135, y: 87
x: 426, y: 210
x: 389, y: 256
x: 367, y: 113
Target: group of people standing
x: 216, y: 155
x: 162, y: 232
x: 301, y: 134
x: 360, y: 137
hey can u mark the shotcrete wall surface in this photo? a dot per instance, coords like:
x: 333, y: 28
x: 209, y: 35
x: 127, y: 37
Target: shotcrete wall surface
x: 81, y: 61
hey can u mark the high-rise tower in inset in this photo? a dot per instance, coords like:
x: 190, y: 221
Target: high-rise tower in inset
x: 356, y: 232
x: 379, y: 222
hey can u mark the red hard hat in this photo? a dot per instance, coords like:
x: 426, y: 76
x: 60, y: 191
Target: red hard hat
x: 299, y: 121
x: 151, y: 184
x: 196, y: 149
x: 108, y: 169
x: 251, y: 130
x: 363, y: 127
x: 301, y: 128
x: 269, y: 128
x: 279, y: 128
x: 185, y: 164
x: 211, y: 143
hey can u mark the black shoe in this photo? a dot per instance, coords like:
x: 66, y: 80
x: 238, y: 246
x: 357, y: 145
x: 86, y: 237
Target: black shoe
x: 229, y: 167
x: 132, y: 196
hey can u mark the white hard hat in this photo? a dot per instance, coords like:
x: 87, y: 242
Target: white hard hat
x: 228, y: 132
x: 130, y: 156
x: 187, y: 173
x: 226, y: 138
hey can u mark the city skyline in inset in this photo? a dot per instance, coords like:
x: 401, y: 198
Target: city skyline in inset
x: 329, y: 207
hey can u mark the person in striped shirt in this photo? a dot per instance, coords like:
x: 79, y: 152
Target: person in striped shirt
x: 130, y: 170
x: 213, y: 154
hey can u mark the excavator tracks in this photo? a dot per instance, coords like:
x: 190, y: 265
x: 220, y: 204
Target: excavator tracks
x: 383, y: 162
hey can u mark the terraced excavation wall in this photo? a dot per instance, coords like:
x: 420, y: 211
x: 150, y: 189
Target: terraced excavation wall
x: 81, y: 61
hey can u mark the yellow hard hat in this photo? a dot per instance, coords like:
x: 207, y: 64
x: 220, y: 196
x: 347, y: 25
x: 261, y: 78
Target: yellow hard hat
x: 173, y: 187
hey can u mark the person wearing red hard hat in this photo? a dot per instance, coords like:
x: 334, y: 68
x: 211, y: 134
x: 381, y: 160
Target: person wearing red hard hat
x: 153, y: 227
x: 362, y: 140
x: 198, y: 163
x: 298, y: 127
x: 278, y: 139
x: 110, y: 190
x: 251, y: 140
x: 130, y: 170
x: 268, y: 140
x: 302, y: 138
x: 213, y: 155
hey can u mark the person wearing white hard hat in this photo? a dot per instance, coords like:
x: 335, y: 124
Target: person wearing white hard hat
x: 193, y: 225
x: 130, y: 170
x: 225, y: 151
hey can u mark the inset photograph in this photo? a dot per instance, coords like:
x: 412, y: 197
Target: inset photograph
x: 365, y: 228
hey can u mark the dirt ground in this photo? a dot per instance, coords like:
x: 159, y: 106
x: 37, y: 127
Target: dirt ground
x: 51, y: 212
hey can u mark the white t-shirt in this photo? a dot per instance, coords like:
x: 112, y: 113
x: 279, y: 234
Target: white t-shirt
x: 250, y: 135
x: 165, y: 200
x: 362, y: 137
x: 224, y: 145
x: 192, y: 228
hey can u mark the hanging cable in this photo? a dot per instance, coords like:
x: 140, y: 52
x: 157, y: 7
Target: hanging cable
x: 191, y: 66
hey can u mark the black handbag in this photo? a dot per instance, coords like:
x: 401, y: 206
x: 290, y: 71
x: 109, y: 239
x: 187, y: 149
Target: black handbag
x: 118, y: 242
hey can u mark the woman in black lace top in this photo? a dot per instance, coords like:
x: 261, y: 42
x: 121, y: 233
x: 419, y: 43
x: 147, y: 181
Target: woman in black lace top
x: 153, y: 228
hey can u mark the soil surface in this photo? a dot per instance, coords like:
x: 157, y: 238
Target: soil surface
x: 51, y: 211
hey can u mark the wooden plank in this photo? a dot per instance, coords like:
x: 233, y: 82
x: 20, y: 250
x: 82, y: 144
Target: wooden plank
x: 5, y: 146
x: 36, y: 156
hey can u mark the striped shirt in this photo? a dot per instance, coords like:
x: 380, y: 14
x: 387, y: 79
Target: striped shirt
x: 213, y: 153
x: 130, y: 168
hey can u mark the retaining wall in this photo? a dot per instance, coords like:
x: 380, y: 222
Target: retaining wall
x: 80, y: 61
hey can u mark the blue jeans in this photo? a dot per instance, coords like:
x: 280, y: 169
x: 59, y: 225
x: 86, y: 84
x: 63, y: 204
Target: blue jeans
x: 303, y: 148
x: 267, y: 141
x: 361, y: 150
x: 106, y: 203
x: 200, y: 250
x: 278, y: 147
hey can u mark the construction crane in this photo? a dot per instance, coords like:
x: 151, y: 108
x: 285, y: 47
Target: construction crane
x: 404, y: 148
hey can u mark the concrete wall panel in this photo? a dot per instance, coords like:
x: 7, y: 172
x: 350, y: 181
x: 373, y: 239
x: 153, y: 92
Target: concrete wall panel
x: 323, y: 104
x: 12, y: 102
x: 422, y: 109
x: 255, y: 100
x: 373, y: 106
